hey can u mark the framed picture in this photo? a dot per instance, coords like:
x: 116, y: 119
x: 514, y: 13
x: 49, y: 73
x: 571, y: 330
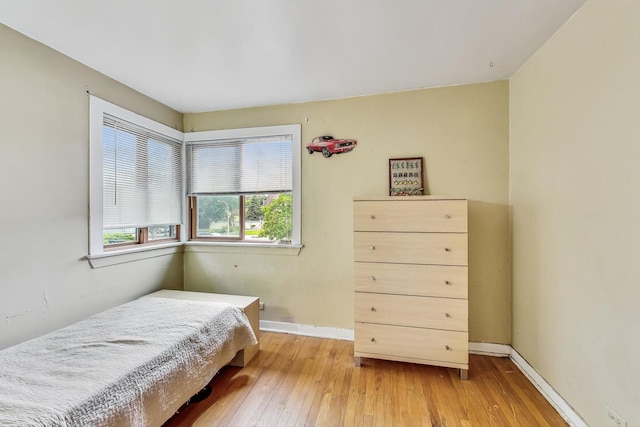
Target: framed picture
x: 406, y: 176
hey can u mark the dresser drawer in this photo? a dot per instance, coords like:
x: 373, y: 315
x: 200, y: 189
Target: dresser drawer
x: 411, y: 248
x: 411, y: 279
x: 411, y: 215
x: 413, y: 343
x: 421, y: 312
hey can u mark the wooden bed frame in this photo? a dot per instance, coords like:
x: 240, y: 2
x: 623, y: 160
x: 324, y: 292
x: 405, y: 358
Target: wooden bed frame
x: 248, y: 305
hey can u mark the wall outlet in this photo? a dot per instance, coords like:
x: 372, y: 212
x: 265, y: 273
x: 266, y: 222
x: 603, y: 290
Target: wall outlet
x: 260, y: 305
x: 615, y: 419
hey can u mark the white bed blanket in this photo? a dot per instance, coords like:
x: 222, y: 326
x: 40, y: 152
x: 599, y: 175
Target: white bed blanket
x: 133, y: 365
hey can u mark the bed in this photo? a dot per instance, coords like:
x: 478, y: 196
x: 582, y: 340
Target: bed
x: 132, y: 365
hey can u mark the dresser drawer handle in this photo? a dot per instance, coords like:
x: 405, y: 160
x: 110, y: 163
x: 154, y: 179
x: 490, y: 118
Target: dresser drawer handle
x: 372, y: 217
x: 447, y: 347
x: 447, y: 315
x: 373, y: 339
x: 447, y: 249
x: 373, y: 309
x: 448, y: 283
x: 373, y: 248
x: 447, y: 217
x: 373, y: 278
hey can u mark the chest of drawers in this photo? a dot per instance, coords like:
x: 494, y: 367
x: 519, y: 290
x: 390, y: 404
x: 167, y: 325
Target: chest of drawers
x: 411, y: 280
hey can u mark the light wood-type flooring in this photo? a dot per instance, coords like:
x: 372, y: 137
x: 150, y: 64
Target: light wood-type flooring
x: 305, y: 381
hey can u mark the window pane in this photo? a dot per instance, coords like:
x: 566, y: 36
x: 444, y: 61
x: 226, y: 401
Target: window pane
x: 218, y: 216
x: 277, y: 218
x: 162, y: 232
x: 115, y: 236
x: 268, y: 217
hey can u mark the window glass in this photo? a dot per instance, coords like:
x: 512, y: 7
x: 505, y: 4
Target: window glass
x: 161, y: 232
x: 218, y: 216
x: 269, y: 217
x: 118, y: 236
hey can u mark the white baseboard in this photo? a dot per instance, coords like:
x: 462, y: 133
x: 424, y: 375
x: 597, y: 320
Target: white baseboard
x: 481, y: 348
x: 307, y: 330
x: 560, y: 405
x: 490, y: 349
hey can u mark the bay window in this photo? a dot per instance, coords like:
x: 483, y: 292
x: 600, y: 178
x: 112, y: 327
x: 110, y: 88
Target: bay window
x: 241, y: 185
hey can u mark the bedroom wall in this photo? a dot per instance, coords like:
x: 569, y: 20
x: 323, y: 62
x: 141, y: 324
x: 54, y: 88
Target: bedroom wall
x: 44, y: 137
x: 462, y: 133
x: 575, y: 180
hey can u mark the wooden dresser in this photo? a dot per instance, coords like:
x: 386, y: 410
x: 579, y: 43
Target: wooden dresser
x: 411, y: 280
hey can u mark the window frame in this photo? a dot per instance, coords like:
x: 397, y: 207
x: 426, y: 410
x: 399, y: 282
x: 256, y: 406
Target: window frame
x: 255, y: 132
x: 143, y: 239
x: 97, y: 109
x: 193, y: 223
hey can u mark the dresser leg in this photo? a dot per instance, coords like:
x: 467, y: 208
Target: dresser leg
x: 357, y: 361
x: 464, y: 374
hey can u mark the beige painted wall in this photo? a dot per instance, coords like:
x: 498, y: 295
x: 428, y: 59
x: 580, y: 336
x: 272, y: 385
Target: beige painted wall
x: 44, y: 138
x: 575, y: 181
x: 462, y: 132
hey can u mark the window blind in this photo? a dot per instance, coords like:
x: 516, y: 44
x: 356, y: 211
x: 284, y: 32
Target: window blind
x: 142, y: 177
x: 240, y: 166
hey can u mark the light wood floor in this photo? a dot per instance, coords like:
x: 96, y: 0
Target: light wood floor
x: 298, y: 380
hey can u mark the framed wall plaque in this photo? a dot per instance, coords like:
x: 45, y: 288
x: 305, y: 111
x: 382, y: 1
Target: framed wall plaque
x: 406, y: 176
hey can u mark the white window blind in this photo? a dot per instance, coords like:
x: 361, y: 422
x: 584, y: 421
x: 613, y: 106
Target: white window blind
x: 240, y: 166
x: 142, y: 177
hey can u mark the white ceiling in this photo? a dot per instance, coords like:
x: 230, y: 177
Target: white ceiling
x: 206, y: 55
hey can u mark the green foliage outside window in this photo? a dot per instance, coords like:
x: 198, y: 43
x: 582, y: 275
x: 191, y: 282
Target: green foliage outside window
x: 254, y: 206
x: 213, y: 209
x: 117, y: 237
x: 277, y: 217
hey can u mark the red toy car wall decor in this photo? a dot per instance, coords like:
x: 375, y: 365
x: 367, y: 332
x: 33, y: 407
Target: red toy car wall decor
x: 329, y: 145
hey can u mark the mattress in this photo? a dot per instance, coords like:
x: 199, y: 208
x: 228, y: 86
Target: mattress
x: 132, y: 365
